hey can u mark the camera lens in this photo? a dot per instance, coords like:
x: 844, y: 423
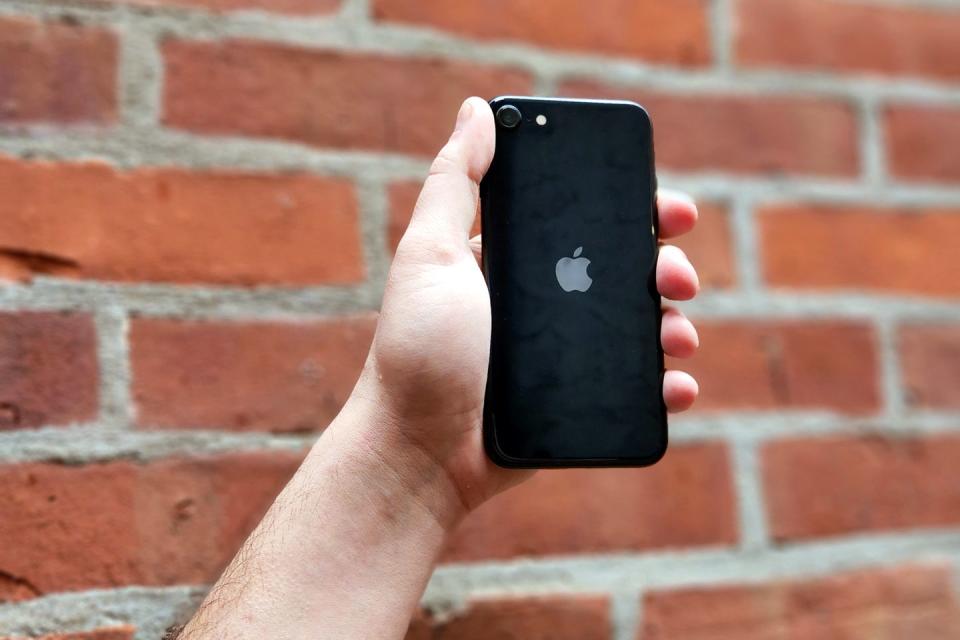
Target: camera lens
x: 509, y: 116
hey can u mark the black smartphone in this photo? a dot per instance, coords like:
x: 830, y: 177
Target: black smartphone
x: 570, y: 241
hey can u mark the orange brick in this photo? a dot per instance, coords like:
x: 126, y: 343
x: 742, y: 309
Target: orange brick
x: 293, y: 7
x: 92, y: 221
x: 112, y: 633
x: 930, y: 362
x: 569, y: 512
x: 48, y: 369
x: 172, y: 521
x: 323, y: 98
x: 57, y: 73
x: 851, y: 247
x: 923, y: 142
x: 837, y: 485
x: 672, y: 32
x: 530, y: 618
x: 912, y: 601
x: 766, y: 365
x: 743, y: 133
x: 831, y: 35
x: 268, y: 376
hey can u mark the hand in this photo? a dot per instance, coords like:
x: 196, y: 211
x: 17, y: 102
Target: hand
x: 428, y: 365
x: 348, y: 546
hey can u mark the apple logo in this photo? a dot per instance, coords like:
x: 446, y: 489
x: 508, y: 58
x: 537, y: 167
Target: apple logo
x: 572, y: 272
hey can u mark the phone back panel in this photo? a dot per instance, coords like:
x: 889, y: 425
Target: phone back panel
x: 575, y: 375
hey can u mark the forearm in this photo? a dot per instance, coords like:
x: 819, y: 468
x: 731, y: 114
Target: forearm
x: 347, y: 548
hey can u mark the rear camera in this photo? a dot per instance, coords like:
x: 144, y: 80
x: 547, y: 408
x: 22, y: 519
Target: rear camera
x: 509, y: 116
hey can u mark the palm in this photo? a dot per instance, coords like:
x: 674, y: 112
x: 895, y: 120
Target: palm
x: 439, y: 305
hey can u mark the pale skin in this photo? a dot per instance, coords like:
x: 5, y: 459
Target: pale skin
x: 347, y: 548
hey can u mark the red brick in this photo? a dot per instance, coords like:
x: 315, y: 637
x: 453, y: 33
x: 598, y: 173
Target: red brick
x: 709, y: 247
x: 323, y: 98
x: 851, y: 247
x: 48, y: 369
x: 923, y: 142
x: 673, y: 32
x: 531, y: 618
x: 930, y: 362
x: 293, y: 7
x: 57, y: 73
x: 403, y: 197
x: 913, y: 601
x: 112, y: 633
x: 93, y: 221
x: 172, y: 521
x: 570, y: 512
x: 837, y: 485
x: 849, y: 36
x: 743, y: 133
x: 267, y: 376
x: 767, y: 365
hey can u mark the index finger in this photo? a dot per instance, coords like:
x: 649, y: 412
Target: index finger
x: 677, y: 212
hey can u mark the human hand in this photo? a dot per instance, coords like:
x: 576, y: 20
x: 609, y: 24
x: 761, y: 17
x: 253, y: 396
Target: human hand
x: 426, y: 372
x: 404, y: 459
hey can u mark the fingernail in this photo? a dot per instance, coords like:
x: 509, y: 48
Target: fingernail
x: 466, y: 110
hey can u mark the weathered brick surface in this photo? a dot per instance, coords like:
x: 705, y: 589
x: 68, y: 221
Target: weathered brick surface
x: 292, y: 7
x: 845, y: 248
x: 330, y: 99
x: 829, y: 486
x: 245, y: 376
x: 842, y: 36
x: 674, y: 32
x: 531, y: 618
x: 57, y: 73
x: 568, y: 512
x: 170, y: 521
x: 743, y: 133
x: 912, y: 601
x: 112, y: 633
x: 922, y: 142
x: 930, y: 365
x: 48, y: 369
x: 795, y: 365
x: 93, y: 221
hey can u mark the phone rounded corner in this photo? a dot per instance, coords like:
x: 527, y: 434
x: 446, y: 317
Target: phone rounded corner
x: 492, y: 447
x: 658, y: 454
x: 643, y: 113
x: 664, y: 442
x: 493, y: 451
x: 498, y: 458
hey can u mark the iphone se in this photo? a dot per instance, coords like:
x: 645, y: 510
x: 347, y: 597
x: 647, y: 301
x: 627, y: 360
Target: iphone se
x: 569, y: 229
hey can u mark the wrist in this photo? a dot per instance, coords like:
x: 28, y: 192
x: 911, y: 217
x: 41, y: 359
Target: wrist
x: 360, y: 511
x: 376, y: 443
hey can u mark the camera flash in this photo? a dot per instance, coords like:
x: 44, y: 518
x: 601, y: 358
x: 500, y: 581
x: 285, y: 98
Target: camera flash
x: 541, y: 119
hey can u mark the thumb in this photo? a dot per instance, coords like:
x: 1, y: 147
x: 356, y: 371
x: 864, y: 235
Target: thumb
x: 447, y: 205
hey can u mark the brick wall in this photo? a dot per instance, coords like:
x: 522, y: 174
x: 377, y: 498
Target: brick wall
x: 198, y: 203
